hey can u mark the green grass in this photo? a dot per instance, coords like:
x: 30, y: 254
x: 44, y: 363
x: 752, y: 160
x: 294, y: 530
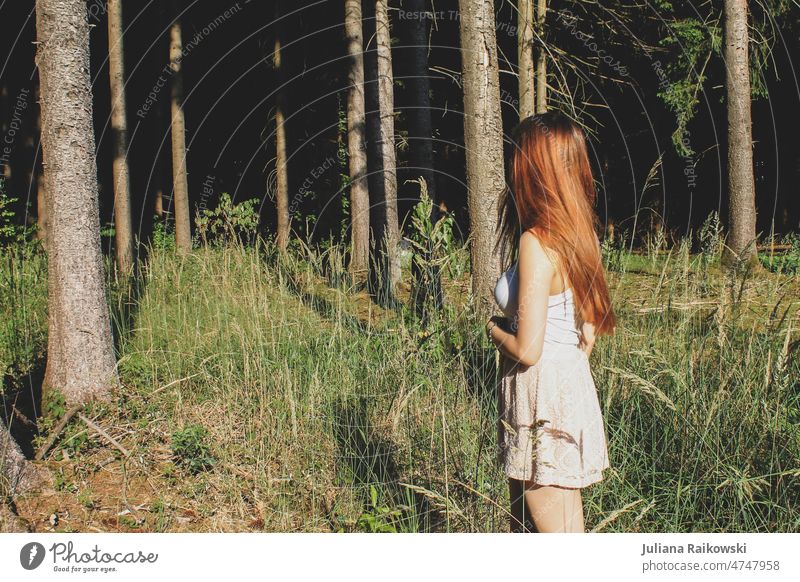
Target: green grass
x: 325, y: 412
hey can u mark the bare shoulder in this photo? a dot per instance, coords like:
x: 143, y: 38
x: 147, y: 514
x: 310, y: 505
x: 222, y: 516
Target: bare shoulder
x: 534, y: 254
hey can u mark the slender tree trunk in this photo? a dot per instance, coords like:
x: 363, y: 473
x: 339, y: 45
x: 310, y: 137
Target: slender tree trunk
x: 525, y: 28
x: 356, y: 142
x: 390, y: 228
x: 420, y: 128
x: 80, y: 353
x: 375, y: 182
x: 420, y: 134
x: 180, y: 180
x: 119, y: 125
x: 282, y: 178
x: 741, y: 184
x: 483, y: 140
x: 158, y: 162
x: 541, y: 57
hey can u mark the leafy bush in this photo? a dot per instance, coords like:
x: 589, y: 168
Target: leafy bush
x: 190, y: 448
x: 11, y: 233
x: 228, y: 222
x: 163, y: 237
x: 432, y: 244
x: 786, y: 261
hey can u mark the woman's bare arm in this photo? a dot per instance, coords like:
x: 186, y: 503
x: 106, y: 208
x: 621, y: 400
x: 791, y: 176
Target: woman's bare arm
x: 535, y: 272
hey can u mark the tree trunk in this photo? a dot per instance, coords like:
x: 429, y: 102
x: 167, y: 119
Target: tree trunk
x: 541, y: 58
x: 80, y: 353
x: 419, y: 123
x: 356, y: 142
x: 16, y: 473
x: 180, y: 180
x: 158, y: 163
x: 420, y: 136
x: 741, y: 185
x: 158, y: 160
x: 525, y: 24
x: 483, y: 140
x: 389, y: 229
x: 282, y: 178
x: 119, y: 126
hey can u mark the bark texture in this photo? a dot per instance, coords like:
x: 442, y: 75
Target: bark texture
x: 525, y: 28
x: 541, y: 57
x: 483, y: 140
x: 41, y: 201
x: 356, y: 142
x: 80, y: 352
x: 119, y: 126
x: 389, y: 231
x: 741, y: 184
x: 17, y: 474
x: 180, y: 180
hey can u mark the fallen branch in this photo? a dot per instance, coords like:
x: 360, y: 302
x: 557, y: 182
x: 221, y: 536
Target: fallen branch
x: 104, y: 434
x: 154, y: 392
x: 57, y: 430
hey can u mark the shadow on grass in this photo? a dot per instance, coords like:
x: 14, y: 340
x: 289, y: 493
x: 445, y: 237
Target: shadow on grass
x: 323, y: 306
x: 366, y: 459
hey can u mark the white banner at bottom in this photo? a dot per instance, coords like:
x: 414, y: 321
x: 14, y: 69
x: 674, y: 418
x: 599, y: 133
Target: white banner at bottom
x: 351, y: 557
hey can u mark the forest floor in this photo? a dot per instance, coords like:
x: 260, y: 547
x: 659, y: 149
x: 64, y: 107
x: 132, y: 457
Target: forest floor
x: 258, y: 397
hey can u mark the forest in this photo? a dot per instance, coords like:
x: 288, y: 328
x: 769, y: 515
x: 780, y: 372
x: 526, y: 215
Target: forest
x: 247, y: 250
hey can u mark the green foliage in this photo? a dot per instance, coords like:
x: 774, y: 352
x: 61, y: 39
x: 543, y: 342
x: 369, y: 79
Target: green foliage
x: 108, y: 230
x: 191, y: 449
x: 228, y: 222
x: 432, y: 245
x: 690, y: 43
x: 711, y: 238
x: 163, y: 235
x: 380, y: 518
x: 23, y: 308
x: 785, y: 261
x: 614, y: 251
x: 344, y: 171
x: 11, y: 233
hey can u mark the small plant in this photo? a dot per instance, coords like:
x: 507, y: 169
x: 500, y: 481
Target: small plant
x: 190, y: 448
x: 613, y: 253
x: 228, y: 222
x: 163, y: 237
x: 85, y: 499
x: 655, y: 242
x: 432, y: 244
x: 787, y: 259
x: 379, y: 518
x: 711, y: 237
x: 11, y: 233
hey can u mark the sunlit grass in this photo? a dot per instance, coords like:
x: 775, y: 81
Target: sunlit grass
x: 323, y: 411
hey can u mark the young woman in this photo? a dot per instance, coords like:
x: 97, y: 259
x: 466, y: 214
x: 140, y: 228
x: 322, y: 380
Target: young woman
x: 550, y: 432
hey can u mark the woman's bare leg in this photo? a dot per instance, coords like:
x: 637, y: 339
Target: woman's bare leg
x: 555, y: 509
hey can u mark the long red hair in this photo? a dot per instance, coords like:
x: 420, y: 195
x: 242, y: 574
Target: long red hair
x: 551, y: 192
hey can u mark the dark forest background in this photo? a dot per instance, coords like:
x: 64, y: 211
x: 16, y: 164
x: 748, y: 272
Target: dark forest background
x: 230, y: 95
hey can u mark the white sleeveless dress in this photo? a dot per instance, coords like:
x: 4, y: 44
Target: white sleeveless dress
x: 550, y: 427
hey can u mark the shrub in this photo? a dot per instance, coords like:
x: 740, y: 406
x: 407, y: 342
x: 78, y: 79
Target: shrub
x: 190, y: 448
